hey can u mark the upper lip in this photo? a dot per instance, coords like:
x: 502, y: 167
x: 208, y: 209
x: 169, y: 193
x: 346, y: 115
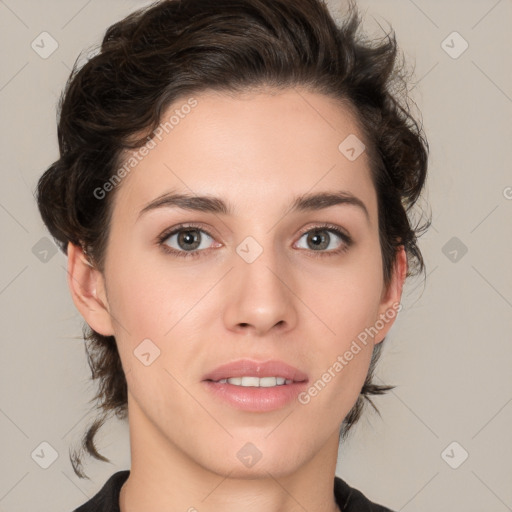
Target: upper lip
x: 249, y: 368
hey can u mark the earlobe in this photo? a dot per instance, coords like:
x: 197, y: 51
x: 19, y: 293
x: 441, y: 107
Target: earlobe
x: 86, y: 284
x: 390, y: 304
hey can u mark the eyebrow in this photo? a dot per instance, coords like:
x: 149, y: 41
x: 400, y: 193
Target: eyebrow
x: 212, y: 204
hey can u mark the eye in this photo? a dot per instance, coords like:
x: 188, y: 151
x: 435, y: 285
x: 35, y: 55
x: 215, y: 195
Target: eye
x: 185, y: 241
x: 189, y: 241
x: 320, y: 239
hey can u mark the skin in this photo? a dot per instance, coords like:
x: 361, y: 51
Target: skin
x: 257, y: 151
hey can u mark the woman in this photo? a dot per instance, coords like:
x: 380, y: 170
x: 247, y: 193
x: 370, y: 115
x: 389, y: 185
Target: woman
x: 232, y: 195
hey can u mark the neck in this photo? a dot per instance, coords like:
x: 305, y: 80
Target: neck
x: 227, y: 494
x: 163, y: 477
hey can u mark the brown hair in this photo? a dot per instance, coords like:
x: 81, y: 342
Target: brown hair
x: 174, y: 48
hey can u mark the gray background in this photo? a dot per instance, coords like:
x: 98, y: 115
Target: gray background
x: 449, y: 353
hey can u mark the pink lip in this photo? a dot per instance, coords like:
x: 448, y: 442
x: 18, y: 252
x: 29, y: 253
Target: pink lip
x: 255, y: 399
x: 246, y: 367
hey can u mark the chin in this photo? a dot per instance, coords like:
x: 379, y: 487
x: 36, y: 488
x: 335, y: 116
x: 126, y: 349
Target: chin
x: 245, y: 459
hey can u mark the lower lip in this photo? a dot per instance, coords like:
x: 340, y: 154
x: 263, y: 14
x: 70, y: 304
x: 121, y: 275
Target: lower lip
x: 256, y: 399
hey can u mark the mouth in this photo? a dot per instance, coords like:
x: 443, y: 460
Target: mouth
x: 255, y: 382
x: 256, y: 386
x: 248, y: 373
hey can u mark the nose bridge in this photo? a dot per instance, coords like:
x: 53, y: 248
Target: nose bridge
x: 259, y: 262
x: 258, y: 293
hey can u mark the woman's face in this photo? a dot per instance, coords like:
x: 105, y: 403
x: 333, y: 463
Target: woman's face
x: 259, y: 284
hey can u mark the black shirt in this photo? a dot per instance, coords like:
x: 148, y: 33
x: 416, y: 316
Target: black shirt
x: 107, y: 499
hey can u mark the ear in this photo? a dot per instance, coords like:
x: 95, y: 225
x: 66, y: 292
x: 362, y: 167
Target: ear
x: 87, y: 287
x: 390, y: 301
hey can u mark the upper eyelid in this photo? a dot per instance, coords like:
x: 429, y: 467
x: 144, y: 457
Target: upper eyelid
x: 319, y: 226
x: 176, y: 229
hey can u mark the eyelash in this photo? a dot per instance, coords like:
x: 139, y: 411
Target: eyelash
x: 347, y: 240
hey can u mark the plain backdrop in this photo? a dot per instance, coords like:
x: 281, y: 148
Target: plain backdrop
x: 443, y: 440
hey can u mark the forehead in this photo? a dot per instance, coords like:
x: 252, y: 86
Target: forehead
x: 251, y: 149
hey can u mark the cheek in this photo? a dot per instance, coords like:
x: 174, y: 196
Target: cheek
x: 347, y: 303
x: 144, y: 303
x: 143, y: 288
x: 341, y: 356
x: 346, y: 298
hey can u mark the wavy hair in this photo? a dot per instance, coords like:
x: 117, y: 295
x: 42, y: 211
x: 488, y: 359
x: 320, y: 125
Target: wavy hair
x: 174, y: 48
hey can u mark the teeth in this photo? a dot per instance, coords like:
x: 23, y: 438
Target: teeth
x: 263, y: 382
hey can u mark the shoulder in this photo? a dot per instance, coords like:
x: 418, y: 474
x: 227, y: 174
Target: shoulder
x: 352, y: 500
x: 107, y: 498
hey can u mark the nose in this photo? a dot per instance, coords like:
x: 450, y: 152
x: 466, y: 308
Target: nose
x: 258, y: 294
